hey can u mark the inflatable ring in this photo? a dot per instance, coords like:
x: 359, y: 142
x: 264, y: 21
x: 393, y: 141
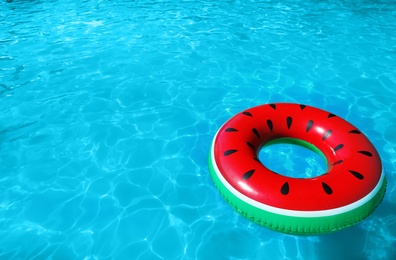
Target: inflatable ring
x: 353, y: 185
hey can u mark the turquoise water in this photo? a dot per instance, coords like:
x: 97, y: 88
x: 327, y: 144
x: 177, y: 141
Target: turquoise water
x: 293, y: 160
x: 108, y: 108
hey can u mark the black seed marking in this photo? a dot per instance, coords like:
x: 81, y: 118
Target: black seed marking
x: 229, y: 152
x: 285, y: 188
x: 326, y: 134
x: 251, y: 145
x: 270, y: 125
x: 273, y: 106
x: 247, y: 114
x: 256, y: 133
x: 327, y: 188
x: 231, y: 130
x: 367, y: 153
x: 289, y: 121
x: 248, y: 174
x: 355, y: 132
x: 337, y: 162
x: 309, y: 125
x: 338, y: 147
x: 357, y: 174
x: 256, y: 159
x: 302, y: 107
x: 331, y: 115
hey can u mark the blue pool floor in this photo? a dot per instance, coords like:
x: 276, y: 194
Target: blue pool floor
x: 108, y: 110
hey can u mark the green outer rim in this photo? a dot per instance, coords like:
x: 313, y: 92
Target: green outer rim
x: 297, y: 225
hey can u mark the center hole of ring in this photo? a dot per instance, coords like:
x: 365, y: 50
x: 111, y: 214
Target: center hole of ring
x: 293, y: 158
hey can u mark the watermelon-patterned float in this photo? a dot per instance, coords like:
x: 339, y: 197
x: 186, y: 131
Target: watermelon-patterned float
x: 353, y: 185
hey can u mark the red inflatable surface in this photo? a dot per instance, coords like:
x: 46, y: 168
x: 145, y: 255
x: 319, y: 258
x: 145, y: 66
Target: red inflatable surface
x: 354, y: 166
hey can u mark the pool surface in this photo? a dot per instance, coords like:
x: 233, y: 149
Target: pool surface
x: 108, y: 109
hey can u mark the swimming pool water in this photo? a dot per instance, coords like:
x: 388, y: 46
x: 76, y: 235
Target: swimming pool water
x: 108, y: 109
